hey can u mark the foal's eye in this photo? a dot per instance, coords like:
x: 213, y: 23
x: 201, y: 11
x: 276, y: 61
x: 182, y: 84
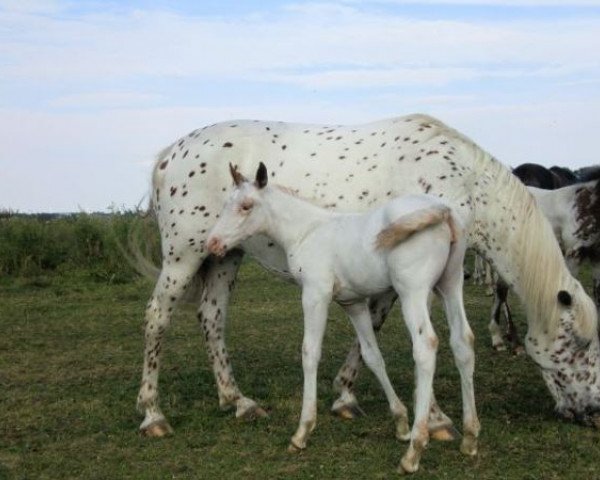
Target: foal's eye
x: 246, y: 207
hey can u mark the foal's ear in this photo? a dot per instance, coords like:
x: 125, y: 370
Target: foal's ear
x: 237, y: 176
x: 261, y: 176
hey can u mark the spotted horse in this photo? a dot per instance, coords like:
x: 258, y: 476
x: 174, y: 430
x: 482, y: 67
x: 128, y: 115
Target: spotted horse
x: 353, y: 168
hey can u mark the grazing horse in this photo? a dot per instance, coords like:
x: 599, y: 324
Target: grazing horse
x: 353, y: 168
x: 535, y: 175
x: 574, y: 213
x: 587, y: 174
x: 563, y: 176
x: 348, y: 258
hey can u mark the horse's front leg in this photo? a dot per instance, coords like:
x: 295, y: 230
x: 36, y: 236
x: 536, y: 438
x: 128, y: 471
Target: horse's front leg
x: 219, y: 280
x: 499, y: 308
x: 315, y: 305
x: 361, y: 320
x: 500, y: 299
x: 346, y: 406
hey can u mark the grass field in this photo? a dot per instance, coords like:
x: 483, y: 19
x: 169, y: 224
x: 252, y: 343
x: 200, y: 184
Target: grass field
x: 70, y: 364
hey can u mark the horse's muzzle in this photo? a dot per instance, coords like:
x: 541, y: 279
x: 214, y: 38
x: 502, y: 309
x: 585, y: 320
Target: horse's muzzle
x: 589, y: 418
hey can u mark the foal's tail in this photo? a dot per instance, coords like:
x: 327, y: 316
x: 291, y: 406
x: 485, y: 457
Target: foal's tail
x: 414, y: 222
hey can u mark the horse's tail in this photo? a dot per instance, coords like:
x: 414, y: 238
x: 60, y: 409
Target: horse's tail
x: 414, y: 222
x: 140, y: 250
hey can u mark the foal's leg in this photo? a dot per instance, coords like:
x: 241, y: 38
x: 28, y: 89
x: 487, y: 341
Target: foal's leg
x: 361, y: 320
x: 170, y: 287
x: 450, y: 288
x: 315, y: 306
x: 425, y: 342
x: 220, y: 275
x: 346, y: 406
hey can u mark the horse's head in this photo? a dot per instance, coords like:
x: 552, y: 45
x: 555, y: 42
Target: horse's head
x: 243, y: 215
x: 571, y: 366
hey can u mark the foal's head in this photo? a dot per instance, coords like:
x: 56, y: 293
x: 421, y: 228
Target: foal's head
x: 243, y: 215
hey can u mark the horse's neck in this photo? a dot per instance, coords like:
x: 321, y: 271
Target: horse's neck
x: 511, y: 231
x: 291, y: 218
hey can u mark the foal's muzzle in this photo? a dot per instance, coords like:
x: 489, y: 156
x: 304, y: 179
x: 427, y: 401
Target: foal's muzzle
x: 216, y: 246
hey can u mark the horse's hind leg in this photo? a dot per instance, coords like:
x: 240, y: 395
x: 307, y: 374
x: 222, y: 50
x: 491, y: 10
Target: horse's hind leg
x: 346, y: 406
x: 170, y: 288
x: 219, y: 280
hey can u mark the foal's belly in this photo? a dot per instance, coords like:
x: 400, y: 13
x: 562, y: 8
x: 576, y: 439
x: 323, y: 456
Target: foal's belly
x: 359, y: 281
x: 270, y: 255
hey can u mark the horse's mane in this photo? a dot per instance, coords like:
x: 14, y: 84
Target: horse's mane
x: 538, y: 267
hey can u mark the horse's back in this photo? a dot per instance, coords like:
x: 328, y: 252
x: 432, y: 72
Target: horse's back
x: 343, y: 168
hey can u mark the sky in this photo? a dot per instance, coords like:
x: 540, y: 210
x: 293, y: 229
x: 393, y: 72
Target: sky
x: 91, y: 91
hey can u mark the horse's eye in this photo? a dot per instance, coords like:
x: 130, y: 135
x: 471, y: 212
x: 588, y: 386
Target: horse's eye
x: 246, y: 207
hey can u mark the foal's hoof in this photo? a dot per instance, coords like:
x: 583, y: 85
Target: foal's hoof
x: 253, y: 413
x: 444, y: 434
x: 158, y: 429
x: 499, y: 347
x: 348, y: 411
x: 405, y: 469
x: 294, y: 448
x: 468, y: 445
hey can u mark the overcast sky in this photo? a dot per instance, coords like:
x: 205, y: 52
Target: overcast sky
x: 91, y: 90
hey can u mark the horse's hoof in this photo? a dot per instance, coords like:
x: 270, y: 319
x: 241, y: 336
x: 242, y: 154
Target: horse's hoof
x: 499, y: 347
x: 402, y: 429
x: 518, y: 350
x: 468, y: 446
x: 253, y: 413
x: 158, y: 429
x: 445, y: 434
x: 348, y: 412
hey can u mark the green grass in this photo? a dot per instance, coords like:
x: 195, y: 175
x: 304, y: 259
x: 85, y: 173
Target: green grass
x: 70, y: 365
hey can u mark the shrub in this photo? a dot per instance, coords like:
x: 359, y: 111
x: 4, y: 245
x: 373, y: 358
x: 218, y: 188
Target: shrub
x: 34, y: 244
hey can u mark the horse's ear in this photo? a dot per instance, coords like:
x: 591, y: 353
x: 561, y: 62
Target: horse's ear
x: 261, y: 176
x: 237, y: 176
x: 565, y: 298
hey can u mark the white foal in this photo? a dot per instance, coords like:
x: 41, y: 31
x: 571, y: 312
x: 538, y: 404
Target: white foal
x: 411, y: 244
